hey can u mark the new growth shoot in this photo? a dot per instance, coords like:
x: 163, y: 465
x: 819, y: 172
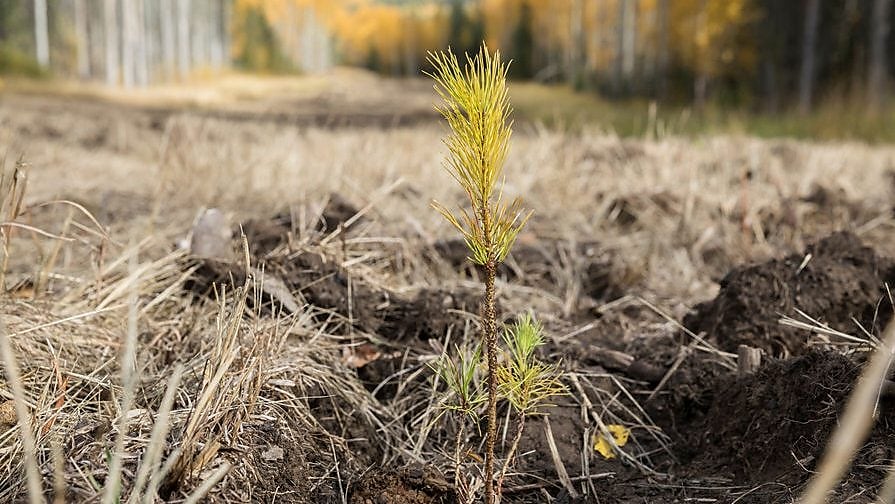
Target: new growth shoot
x: 523, y: 380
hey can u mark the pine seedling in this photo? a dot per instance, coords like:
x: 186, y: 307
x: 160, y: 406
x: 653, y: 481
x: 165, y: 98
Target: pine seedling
x: 464, y: 400
x: 477, y: 109
x: 523, y: 380
x: 460, y: 377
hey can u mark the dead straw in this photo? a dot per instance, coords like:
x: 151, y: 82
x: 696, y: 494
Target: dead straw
x: 857, y: 419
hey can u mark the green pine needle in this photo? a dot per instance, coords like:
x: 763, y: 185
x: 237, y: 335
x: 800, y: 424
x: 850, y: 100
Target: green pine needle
x: 523, y: 380
x: 477, y: 109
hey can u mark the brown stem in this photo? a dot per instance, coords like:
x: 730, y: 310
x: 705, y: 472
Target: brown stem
x: 520, y: 425
x: 457, y: 470
x: 490, y: 326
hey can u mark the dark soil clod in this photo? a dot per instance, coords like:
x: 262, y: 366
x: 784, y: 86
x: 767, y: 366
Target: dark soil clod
x: 411, y: 485
x: 841, y: 281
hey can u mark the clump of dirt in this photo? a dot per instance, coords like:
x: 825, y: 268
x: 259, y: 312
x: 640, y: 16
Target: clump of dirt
x: 756, y: 421
x: 773, y: 425
x: 278, y: 458
x: 411, y: 485
x: 835, y: 280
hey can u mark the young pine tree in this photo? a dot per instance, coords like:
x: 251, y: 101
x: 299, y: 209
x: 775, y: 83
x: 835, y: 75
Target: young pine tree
x: 477, y: 109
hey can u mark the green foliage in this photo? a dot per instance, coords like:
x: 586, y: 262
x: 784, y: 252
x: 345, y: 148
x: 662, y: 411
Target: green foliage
x: 523, y: 44
x: 17, y: 40
x: 15, y: 62
x: 476, y: 107
x: 465, y: 394
x: 257, y: 45
x: 465, y: 32
x: 523, y: 380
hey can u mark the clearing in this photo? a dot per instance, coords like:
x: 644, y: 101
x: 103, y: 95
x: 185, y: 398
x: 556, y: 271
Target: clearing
x: 316, y: 388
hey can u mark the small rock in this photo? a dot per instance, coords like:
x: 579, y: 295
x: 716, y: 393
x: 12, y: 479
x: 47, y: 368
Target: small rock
x: 211, y: 235
x: 7, y: 415
x: 273, y: 454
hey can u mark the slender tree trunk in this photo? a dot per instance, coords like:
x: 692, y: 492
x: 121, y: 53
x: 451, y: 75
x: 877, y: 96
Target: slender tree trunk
x: 576, y: 44
x: 224, y: 27
x: 410, y: 44
x: 128, y: 28
x: 110, y: 11
x: 41, y: 33
x: 809, y: 41
x: 662, y: 56
x: 141, y: 44
x: 82, y: 41
x: 153, y: 25
x: 217, y: 49
x: 168, y: 36
x: 701, y: 84
x: 490, y: 323
x: 183, y: 37
x: 878, y: 73
x: 618, y: 63
x: 629, y: 40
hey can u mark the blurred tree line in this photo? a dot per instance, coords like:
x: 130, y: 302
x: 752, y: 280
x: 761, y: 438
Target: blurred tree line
x: 765, y: 54
x: 768, y: 55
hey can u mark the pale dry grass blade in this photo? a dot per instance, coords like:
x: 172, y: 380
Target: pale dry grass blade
x: 35, y: 492
x: 150, y: 462
x: 202, y: 490
x: 561, y: 471
x: 857, y: 419
x: 129, y: 381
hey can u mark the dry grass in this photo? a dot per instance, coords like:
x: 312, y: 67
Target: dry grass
x: 217, y: 384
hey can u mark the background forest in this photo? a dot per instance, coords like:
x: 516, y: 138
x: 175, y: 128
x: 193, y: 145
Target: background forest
x: 752, y: 56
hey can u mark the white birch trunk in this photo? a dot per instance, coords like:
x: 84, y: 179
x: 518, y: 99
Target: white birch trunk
x: 216, y: 37
x: 82, y: 40
x: 183, y: 37
x: 110, y: 11
x: 629, y: 39
x: 128, y: 32
x: 166, y: 29
x: 41, y: 33
x: 141, y: 45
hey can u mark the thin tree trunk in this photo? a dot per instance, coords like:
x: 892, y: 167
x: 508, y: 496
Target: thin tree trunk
x: 618, y: 63
x: 141, y: 46
x: 662, y: 56
x: 166, y: 29
x: 701, y: 84
x: 217, y: 48
x: 41, y: 33
x: 128, y: 28
x: 81, y: 39
x: 629, y: 40
x: 490, y: 323
x: 876, y: 78
x: 110, y: 12
x: 226, y: 12
x: 809, y: 41
x: 199, y: 31
x: 576, y: 44
x: 183, y: 37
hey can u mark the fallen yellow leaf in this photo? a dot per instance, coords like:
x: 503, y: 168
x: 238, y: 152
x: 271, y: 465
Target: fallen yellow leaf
x: 619, y: 434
